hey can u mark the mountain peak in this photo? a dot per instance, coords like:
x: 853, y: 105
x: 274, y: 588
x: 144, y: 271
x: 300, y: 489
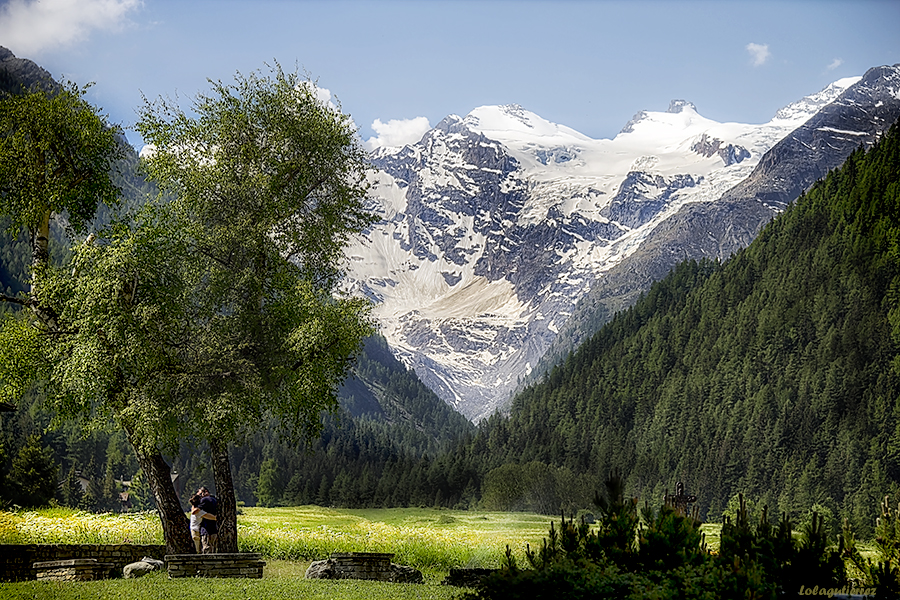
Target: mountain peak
x: 807, y: 106
x: 677, y: 106
x: 511, y: 123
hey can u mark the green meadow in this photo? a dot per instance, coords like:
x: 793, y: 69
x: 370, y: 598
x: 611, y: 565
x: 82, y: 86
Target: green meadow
x: 431, y: 540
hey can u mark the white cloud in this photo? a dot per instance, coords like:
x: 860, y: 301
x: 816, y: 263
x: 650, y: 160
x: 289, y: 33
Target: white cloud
x: 29, y: 27
x: 835, y: 64
x: 148, y: 151
x: 321, y: 94
x: 759, y: 53
x: 397, y: 132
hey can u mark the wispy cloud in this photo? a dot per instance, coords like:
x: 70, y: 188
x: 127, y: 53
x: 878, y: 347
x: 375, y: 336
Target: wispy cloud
x: 397, y: 132
x: 759, y: 53
x: 30, y: 27
x: 835, y: 64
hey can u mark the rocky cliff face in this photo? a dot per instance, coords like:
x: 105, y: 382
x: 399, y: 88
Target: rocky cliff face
x: 497, y: 224
x: 16, y: 73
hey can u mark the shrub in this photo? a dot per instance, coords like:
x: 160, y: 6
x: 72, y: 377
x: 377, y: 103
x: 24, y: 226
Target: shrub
x: 660, y: 554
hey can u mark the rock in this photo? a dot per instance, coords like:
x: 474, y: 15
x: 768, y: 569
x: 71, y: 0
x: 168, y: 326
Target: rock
x: 157, y: 564
x: 404, y: 574
x: 138, y: 569
x: 322, y: 569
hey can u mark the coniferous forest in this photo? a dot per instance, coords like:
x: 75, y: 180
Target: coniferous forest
x: 775, y: 374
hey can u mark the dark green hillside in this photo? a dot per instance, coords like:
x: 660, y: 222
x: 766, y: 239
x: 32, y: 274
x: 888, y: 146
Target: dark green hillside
x: 769, y: 375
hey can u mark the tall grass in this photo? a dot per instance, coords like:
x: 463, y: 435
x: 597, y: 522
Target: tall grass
x: 418, y: 546
x: 423, y: 538
x: 65, y: 526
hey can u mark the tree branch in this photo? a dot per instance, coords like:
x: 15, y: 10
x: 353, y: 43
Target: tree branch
x: 14, y: 300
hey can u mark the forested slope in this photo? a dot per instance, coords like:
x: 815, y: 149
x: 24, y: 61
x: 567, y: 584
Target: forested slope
x: 771, y: 374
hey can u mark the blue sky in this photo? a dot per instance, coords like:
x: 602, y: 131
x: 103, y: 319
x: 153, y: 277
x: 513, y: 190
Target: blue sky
x: 398, y: 66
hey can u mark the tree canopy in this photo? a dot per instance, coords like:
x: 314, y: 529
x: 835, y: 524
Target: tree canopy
x: 56, y: 155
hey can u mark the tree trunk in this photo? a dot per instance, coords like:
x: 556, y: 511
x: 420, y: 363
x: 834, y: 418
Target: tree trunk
x: 227, y: 517
x: 40, y: 259
x: 175, y: 525
x: 40, y: 244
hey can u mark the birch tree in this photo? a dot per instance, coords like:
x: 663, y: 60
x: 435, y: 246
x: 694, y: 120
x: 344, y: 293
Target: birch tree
x: 269, y: 183
x: 56, y: 155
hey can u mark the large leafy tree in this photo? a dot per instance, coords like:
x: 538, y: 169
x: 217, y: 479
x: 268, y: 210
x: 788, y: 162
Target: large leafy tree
x: 269, y: 185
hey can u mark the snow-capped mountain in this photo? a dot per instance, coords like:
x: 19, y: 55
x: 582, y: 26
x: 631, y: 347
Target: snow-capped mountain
x: 496, y: 224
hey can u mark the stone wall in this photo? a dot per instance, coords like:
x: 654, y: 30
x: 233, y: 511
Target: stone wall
x: 16, y: 560
x: 363, y: 565
x: 73, y: 569
x: 242, y: 564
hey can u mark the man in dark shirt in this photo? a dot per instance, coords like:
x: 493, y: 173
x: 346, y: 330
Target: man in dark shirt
x: 209, y: 532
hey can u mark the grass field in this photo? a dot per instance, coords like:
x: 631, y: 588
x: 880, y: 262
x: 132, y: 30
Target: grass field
x: 282, y: 580
x: 431, y: 540
x: 423, y: 538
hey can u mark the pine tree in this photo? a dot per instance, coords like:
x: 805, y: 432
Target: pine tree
x: 33, y: 474
x: 71, y: 494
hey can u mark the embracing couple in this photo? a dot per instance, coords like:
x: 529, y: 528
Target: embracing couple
x: 204, y: 529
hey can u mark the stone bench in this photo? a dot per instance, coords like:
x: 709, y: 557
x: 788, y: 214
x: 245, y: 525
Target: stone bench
x: 374, y: 566
x: 73, y: 569
x: 242, y: 564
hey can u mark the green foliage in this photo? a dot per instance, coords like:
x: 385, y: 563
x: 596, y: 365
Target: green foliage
x: 534, y: 487
x: 269, y: 487
x: 266, y: 148
x: 33, y: 474
x: 140, y: 494
x: 661, y: 554
x: 657, y: 554
x: 56, y: 153
x: 70, y: 493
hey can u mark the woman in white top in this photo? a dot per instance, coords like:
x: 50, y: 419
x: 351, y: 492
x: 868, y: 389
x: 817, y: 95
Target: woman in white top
x: 197, y: 515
